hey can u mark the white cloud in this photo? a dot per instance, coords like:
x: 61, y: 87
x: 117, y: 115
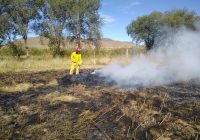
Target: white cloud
x: 107, y: 18
x: 135, y: 3
x: 130, y: 6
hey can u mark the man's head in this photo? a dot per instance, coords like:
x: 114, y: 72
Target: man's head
x: 77, y: 50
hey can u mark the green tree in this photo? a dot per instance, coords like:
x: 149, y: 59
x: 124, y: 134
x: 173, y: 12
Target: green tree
x: 78, y: 19
x: 180, y: 17
x: 85, y: 21
x: 3, y: 29
x: 6, y: 29
x: 55, y: 17
x: 22, y: 13
x: 153, y: 29
x: 146, y: 29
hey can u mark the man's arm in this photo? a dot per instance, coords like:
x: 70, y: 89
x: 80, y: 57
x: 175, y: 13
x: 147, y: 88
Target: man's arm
x: 73, y: 58
x: 80, y: 60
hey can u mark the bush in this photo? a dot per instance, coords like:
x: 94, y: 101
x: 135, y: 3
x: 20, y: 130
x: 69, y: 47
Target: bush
x: 5, y: 51
x: 38, y: 52
x: 17, y: 49
x: 56, y: 51
x: 68, y: 52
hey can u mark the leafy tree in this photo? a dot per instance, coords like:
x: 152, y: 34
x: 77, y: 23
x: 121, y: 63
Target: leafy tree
x: 146, y: 28
x: 180, y: 17
x: 152, y: 29
x: 78, y: 19
x: 6, y: 29
x: 54, y: 19
x: 3, y: 29
x: 85, y: 21
x: 22, y: 13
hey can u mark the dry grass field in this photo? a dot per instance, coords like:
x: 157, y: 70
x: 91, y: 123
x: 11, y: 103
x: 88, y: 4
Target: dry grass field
x: 40, y: 100
x: 52, y: 105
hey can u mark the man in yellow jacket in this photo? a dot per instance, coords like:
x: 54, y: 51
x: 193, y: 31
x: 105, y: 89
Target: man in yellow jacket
x: 76, y: 61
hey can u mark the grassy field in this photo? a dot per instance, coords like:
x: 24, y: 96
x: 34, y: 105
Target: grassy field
x: 41, y: 59
x: 40, y: 100
x: 48, y: 105
x: 33, y: 64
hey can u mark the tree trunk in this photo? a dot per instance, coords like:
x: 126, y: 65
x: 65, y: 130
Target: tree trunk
x: 148, y: 45
x: 26, y: 45
x: 58, y: 49
x: 79, y: 41
x: 79, y: 31
x: 58, y: 45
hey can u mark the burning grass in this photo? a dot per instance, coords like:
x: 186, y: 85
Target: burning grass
x: 57, y: 106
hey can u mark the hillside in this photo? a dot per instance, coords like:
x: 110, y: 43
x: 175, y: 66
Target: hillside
x: 36, y: 42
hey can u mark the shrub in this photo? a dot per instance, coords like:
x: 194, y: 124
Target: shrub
x: 38, y: 52
x: 56, y: 51
x: 17, y: 49
x: 5, y: 51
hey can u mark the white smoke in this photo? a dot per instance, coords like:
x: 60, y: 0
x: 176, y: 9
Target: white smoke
x: 176, y: 62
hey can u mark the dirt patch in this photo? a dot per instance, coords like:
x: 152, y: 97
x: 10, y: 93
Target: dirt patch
x: 58, y: 106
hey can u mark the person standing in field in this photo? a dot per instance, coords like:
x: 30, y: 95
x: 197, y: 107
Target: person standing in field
x: 76, y: 61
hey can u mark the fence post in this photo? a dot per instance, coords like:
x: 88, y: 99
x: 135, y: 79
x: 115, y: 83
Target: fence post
x: 127, y: 53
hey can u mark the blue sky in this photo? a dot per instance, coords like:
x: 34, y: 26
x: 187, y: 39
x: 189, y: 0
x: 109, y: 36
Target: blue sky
x: 117, y: 14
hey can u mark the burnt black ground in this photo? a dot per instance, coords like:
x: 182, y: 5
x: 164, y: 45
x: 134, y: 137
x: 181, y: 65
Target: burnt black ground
x: 87, y: 78
x: 102, y: 111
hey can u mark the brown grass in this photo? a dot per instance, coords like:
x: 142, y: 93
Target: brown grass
x: 57, y: 97
x: 49, y: 63
x: 32, y: 64
x: 52, y: 111
x: 15, y: 88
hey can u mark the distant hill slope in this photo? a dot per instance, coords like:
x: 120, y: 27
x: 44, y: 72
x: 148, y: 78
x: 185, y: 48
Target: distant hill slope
x: 105, y: 43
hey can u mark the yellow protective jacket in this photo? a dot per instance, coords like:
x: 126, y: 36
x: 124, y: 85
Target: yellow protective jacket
x: 76, y: 58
